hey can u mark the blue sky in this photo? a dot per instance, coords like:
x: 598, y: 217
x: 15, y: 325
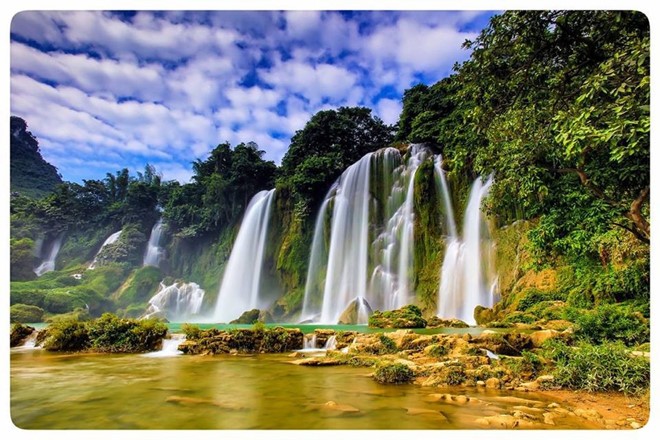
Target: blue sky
x: 102, y: 91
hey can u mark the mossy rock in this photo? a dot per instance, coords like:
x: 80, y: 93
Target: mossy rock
x: 19, y: 333
x: 350, y: 315
x: 393, y: 373
x: 248, y: 317
x: 435, y: 322
x: 409, y: 316
x: 25, y: 313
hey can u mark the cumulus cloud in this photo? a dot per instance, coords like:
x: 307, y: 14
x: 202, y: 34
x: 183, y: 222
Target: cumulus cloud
x: 113, y: 89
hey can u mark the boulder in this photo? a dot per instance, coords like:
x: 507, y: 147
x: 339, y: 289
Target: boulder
x: 483, y: 315
x: 539, y: 337
x: 351, y: 314
x: 248, y: 317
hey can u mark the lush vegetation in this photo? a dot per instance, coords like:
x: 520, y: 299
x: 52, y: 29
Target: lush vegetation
x: 108, y: 333
x: 553, y: 104
x: 393, y: 373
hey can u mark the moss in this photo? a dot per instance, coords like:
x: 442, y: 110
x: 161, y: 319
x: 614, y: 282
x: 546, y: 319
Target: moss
x: 394, y: 373
x: 140, y: 286
x: 438, y: 351
x: 428, y: 237
x: 247, y: 317
x: 25, y: 313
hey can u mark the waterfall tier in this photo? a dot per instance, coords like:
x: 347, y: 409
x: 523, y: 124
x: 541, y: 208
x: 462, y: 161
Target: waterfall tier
x: 177, y: 302
x: 48, y: 265
x: 154, y: 252
x: 241, y: 283
x: 111, y: 239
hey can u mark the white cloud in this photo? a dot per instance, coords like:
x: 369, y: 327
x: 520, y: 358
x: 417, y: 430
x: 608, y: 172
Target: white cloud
x: 388, y: 110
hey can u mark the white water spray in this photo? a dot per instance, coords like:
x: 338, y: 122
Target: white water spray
x: 177, y: 302
x: 111, y: 239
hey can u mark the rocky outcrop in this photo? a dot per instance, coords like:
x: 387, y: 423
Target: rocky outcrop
x: 409, y: 316
x: 351, y: 314
x: 270, y: 340
x: 435, y: 322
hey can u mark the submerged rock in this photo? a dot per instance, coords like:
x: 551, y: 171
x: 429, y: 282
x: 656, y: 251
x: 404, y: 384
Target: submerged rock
x: 435, y: 322
x: 233, y: 406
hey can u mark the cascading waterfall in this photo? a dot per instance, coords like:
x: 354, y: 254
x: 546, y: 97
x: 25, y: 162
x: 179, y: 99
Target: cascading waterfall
x: 154, y: 252
x: 467, y: 276
x: 240, y: 287
x: 176, y: 302
x: 48, y: 265
x: 369, y: 254
x: 111, y: 239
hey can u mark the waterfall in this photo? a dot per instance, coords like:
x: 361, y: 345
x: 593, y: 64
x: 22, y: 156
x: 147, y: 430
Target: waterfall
x: 309, y: 342
x: 111, y: 239
x: 466, y: 277
x: 153, y: 253
x: 177, y: 302
x: 331, y: 343
x: 240, y: 287
x: 369, y: 256
x: 441, y: 181
x: 48, y: 265
x: 169, y: 348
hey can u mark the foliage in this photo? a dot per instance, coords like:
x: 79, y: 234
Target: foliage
x: 409, y: 316
x: 330, y: 142
x: 25, y: 313
x: 455, y: 375
x: 438, y: 350
x: 247, y: 317
x: 192, y: 331
x: 611, y: 322
x: 140, y: 286
x: 393, y: 373
x: 67, y: 335
x: 30, y: 174
x: 110, y: 333
x: 222, y: 186
x: 21, y: 259
x: 600, y: 367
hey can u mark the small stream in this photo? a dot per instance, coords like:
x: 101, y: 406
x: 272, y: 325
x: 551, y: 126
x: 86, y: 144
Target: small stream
x: 105, y: 391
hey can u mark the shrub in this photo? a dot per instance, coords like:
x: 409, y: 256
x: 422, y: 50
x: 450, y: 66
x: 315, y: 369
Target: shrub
x: 612, y: 322
x: 519, y: 317
x: 388, y: 345
x: 110, y: 333
x: 192, y: 332
x: 601, y: 368
x: 533, y: 297
x: 393, y: 373
x: 67, y: 335
x: 25, y: 313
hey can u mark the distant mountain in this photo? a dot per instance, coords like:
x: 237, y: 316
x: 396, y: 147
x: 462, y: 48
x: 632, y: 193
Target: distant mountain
x: 31, y: 175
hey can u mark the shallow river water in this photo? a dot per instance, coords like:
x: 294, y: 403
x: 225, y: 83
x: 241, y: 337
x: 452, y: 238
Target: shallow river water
x: 103, y: 391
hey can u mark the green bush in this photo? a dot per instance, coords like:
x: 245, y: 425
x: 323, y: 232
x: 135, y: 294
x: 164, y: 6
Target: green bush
x: 393, y: 373
x: 67, y: 335
x: 519, y: 317
x: 61, y: 302
x: 388, y: 345
x: 611, y: 322
x: 25, y: 313
x: 534, y: 296
x: 110, y: 333
x: 438, y: 351
x: 601, y: 368
x: 192, y: 332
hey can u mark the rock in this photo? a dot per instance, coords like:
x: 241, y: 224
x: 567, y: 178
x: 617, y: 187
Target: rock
x: 512, y: 399
x: 319, y: 361
x: 483, y: 315
x: 540, y: 336
x: 197, y: 401
x: 409, y: 316
x: 548, y: 418
x: 505, y: 421
x: 493, y: 382
x: 553, y: 405
x: 435, y: 322
x: 528, y: 409
x: 461, y: 399
x: 481, y: 383
x: 557, y: 324
x: 635, y: 425
x: 589, y: 414
x: 248, y: 317
x: 427, y: 413
x: 332, y: 408
x: 530, y: 386
x: 351, y: 313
